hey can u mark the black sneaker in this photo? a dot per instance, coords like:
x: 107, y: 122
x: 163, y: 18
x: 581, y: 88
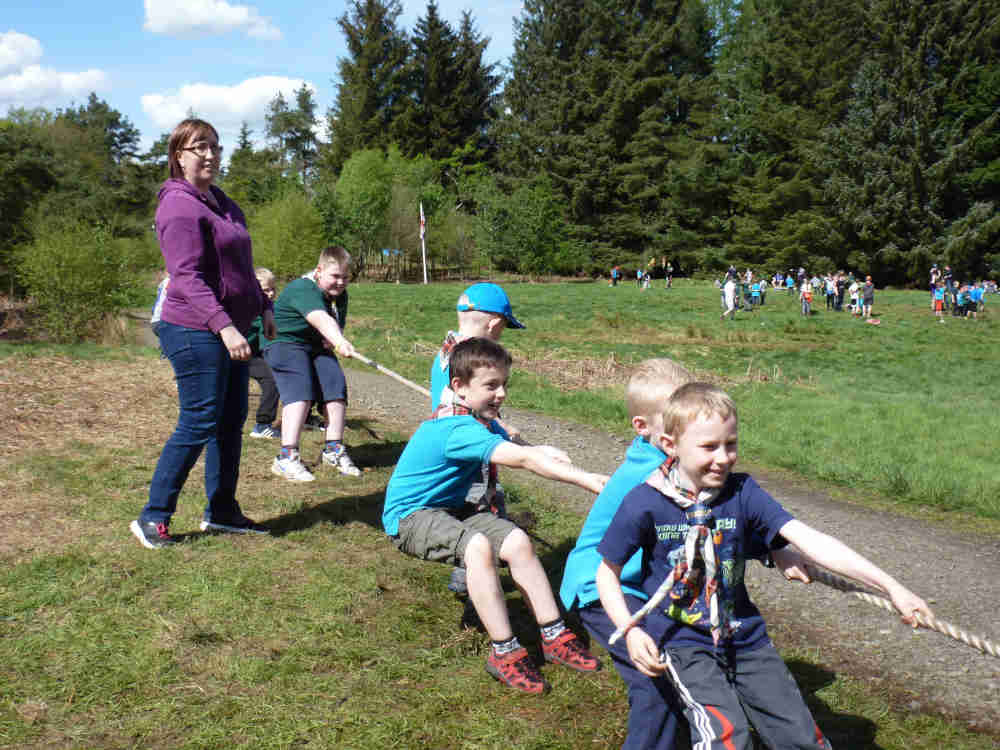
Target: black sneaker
x: 152, y: 535
x: 239, y: 525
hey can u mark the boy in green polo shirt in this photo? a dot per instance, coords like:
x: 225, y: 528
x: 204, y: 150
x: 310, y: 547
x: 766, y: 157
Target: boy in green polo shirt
x: 309, y: 316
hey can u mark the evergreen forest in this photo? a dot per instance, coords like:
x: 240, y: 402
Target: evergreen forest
x: 838, y: 134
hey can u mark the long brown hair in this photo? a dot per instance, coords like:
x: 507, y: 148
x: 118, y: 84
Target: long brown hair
x: 184, y: 131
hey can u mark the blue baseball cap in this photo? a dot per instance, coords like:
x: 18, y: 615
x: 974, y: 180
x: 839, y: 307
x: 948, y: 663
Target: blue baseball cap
x: 488, y: 298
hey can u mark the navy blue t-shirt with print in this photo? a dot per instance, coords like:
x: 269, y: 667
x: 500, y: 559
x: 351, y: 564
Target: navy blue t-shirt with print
x: 748, y: 519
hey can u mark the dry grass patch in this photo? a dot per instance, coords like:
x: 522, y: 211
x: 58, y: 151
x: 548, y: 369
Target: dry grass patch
x: 61, y: 409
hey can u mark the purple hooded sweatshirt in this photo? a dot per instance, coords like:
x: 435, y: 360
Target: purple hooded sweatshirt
x: 208, y: 256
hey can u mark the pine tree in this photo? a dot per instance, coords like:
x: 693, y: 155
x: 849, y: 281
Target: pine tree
x: 784, y: 75
x: 254, y: 177
x: 604, y: 98
x: 476, y: 94
x: 292, y: 132
x: 899, y: 160
x: 429, y: 124
x: 372, y: 88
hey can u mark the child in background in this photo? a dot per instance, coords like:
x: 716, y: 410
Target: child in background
x: 855, y: 306
x: 867, y: 297
x: 806, y: 297
x: 939, y: 303
x: 975, y: 299
x: 427, y: 515
x: 961, y: 300
x: 697, y: 524
x: 310, y: 316
x: 260, y: 371
x: 755, y: 294
x: 161, y: 297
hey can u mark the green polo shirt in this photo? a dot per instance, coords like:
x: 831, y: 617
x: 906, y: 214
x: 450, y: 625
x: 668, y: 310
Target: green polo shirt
x: 298, y: 299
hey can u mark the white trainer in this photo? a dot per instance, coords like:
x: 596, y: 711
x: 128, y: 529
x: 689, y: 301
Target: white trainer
x: 292, y: 469
x: 342, y: 461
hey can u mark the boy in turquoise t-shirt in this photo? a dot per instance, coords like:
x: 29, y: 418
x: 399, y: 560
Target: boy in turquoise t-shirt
x: 310, y: 316
x: 427, y: 515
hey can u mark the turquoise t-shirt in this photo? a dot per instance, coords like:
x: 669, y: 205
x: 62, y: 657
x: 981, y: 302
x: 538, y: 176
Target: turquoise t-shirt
x: 437, y: 467
x: 440, y: 379
x: 579, y: 584
x: 298, y: 299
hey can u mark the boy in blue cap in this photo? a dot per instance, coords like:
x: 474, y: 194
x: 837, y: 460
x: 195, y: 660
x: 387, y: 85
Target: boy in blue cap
x: 483, y: 312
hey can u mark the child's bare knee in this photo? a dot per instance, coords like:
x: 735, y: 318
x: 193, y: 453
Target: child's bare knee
x: 478, y: 552
x: 517, y: 547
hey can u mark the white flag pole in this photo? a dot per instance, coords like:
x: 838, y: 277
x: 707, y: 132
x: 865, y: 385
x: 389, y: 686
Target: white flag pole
x: 423, y: 247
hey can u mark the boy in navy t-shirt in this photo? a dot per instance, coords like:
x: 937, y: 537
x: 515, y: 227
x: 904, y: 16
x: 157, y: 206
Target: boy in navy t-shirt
x: 697, y: 525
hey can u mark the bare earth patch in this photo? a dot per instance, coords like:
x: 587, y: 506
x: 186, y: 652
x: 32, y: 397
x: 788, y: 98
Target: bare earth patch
x: 59, y: 407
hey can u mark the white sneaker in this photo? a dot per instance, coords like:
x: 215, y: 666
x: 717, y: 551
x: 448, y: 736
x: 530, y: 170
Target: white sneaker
x: 292, y: 469
x: 342, y: 461
x: 267, y: 431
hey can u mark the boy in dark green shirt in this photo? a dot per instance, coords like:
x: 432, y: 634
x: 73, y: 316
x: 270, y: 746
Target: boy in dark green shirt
x: 309, y: 317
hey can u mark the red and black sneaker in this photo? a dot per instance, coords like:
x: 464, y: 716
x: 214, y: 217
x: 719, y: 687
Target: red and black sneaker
x: 152, y: 535
x: 567, y: 649
x: 517, y: 670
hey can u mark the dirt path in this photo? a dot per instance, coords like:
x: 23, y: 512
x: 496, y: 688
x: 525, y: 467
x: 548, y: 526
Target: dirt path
x: 959, y: 577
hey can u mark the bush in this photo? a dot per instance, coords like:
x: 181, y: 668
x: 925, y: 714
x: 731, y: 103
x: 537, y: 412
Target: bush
x: 77, y: 275
x: 287, y: 235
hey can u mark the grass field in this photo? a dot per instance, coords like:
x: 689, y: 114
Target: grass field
x: 323, y: 635
x: 905, y: 408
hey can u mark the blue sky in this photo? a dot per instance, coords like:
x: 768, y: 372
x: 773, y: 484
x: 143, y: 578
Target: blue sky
x: 154, y: 60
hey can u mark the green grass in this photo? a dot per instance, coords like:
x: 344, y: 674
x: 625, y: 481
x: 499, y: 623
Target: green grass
x: 324, y: 635
x: 320, y: 636
x: 901, y: 409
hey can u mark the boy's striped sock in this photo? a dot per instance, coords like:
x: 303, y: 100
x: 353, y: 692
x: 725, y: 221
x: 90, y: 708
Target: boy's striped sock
x: 509, y: 646
x: 334, y: 446
x: 287, y: 451
x: 552, y: 630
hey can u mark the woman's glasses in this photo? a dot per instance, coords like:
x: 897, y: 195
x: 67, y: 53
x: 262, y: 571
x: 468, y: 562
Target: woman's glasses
x: 204, y: 149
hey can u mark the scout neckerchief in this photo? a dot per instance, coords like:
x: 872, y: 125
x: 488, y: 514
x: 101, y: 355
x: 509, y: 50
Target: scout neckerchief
x: 452, y: 406
x: 699, y: 569
x: 444, y: 356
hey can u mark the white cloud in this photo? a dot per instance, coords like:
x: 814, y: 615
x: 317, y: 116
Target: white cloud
x: 226, y: 107
x: 18, y: 51
x: 199, y: 17
x: 23, y: 82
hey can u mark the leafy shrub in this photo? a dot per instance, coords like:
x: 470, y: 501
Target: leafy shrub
x: 287, y: 235
x: 77, y: 275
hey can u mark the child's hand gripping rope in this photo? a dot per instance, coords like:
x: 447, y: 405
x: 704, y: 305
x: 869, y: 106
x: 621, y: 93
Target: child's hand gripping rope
x: 912, y: 617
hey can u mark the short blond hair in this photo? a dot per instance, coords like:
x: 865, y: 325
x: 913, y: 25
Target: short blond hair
x: 334, y: 254
x: 652, y: 383
x: 264, y: 276
x: 694, y: 400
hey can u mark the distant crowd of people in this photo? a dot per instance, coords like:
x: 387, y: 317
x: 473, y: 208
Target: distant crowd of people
x: 741, y: 290
x: 961, y: 298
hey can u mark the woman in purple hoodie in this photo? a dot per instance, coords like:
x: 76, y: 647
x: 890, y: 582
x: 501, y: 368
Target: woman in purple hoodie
x: 213, y: 298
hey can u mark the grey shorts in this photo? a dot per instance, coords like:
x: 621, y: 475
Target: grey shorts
x: 442, y: 534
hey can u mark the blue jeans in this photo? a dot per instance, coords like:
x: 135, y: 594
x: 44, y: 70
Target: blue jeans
x: 655, y: 718
x: 213, y: 408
